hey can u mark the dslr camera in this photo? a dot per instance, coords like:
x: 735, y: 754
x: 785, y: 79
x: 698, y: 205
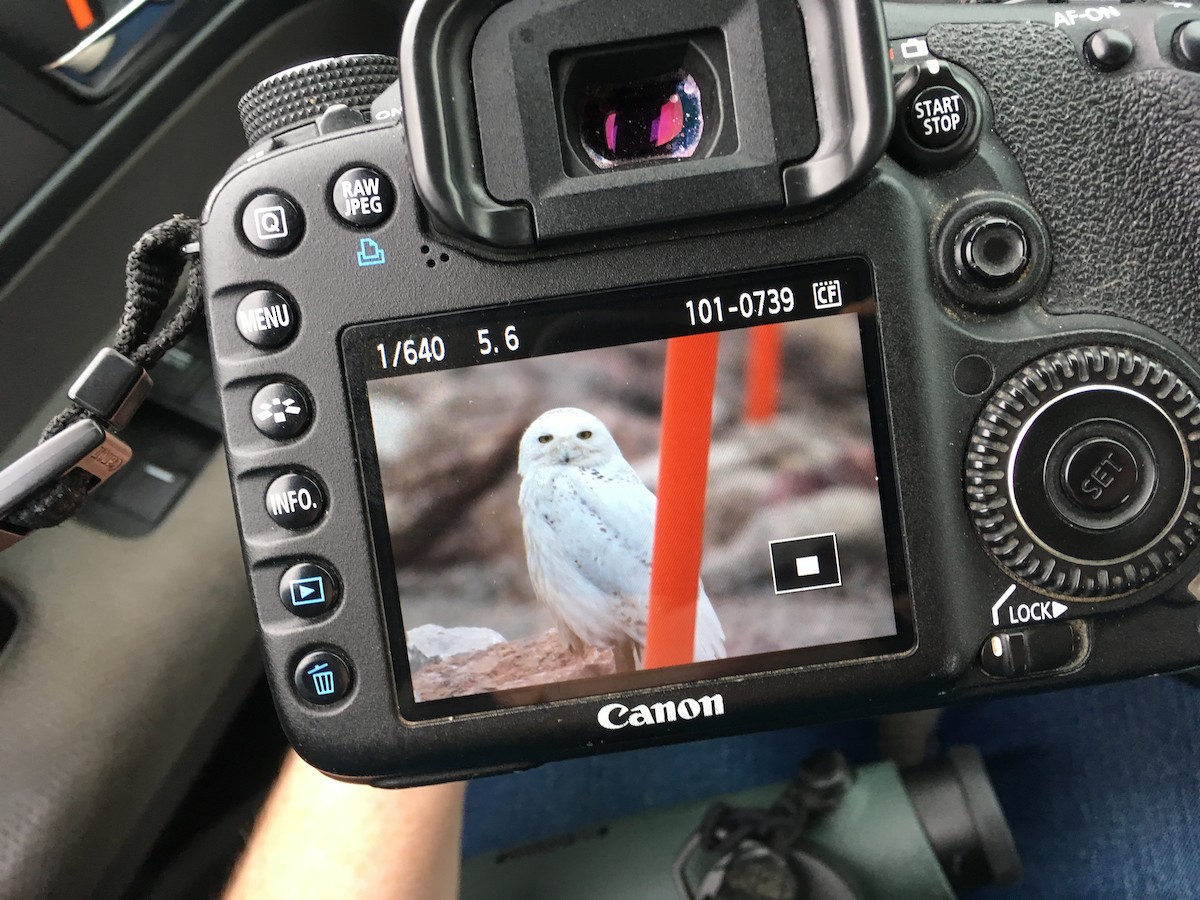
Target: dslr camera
x: 605, y: 374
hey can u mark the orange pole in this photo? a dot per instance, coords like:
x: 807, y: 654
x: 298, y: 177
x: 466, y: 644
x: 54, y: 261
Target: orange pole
x: 81, y: 13
x: 688, y: 386
x: 764, y: 356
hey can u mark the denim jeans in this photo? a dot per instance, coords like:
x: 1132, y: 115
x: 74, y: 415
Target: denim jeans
x: 1101, y: 785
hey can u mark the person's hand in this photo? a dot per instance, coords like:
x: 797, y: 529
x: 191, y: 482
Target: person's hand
x: 317, y: 837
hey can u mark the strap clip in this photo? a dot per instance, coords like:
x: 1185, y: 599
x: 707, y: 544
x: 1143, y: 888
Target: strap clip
x: 85, y: 444
x: 112, y: 387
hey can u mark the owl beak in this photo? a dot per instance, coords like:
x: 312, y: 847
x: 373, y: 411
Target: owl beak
x: 564, y: 454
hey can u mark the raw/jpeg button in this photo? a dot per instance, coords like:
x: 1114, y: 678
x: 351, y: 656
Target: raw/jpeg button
x: 295, y: 500
x: 363, y: 197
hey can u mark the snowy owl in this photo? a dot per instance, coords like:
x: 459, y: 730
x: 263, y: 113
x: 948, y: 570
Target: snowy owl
x: 589, y: 531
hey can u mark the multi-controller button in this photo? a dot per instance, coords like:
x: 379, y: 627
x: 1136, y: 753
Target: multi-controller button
x: 992, y: 251
x: 281, y: 410
x: 1108, y: 49
x: 294, y: 501
x: 1186, y: 44
x: 322, y: 677
x: 267, y: 319
x: 272, y: 223
x: 362, y: 197
x: 308, y: 590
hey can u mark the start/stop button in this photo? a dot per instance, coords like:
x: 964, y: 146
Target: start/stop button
x: 938, y: 116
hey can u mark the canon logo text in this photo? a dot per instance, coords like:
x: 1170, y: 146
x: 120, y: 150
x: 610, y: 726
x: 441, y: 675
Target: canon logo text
x: 615, y: 716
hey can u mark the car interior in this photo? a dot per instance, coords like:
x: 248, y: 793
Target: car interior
x: 139, y: 736
x: 137, y: 678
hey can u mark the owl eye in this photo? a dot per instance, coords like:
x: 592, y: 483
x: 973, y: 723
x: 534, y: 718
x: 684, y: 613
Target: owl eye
x: 545, y: 438
x: 584, y: 435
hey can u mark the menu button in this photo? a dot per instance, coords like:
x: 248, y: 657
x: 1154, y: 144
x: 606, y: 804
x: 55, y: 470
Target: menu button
x: 266, y: 319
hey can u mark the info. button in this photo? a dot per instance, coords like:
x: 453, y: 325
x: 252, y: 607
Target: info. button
x: 805, y: 563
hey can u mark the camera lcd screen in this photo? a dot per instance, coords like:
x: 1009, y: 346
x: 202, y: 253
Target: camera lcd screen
x: 555, y: 516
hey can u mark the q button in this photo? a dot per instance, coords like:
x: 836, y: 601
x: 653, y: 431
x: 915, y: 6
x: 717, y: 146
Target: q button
x: 272, y: 223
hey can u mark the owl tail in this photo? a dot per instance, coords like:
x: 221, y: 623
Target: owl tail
x: 710, y: 636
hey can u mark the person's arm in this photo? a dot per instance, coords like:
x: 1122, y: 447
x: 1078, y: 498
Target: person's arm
x: 317, y: 837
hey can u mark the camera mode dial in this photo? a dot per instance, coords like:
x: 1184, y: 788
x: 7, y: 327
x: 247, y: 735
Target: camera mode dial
x: 1081, y: 473
x: 297, y: 95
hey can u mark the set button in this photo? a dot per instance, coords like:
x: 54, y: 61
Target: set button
x: 267, y: 319
x: 272, y: 223
x: 322, y: 677
x: 281, y: 410
x: 1101, y: 474
x: 308, y: 590
x: 362, y: 197
x: 295, y: 501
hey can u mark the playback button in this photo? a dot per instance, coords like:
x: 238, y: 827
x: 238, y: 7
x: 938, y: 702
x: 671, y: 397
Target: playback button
x: 308, y: 590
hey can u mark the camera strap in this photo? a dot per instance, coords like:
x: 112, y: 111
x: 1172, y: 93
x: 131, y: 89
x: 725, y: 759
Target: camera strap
x: 751, y: 850
x: 79, y: 450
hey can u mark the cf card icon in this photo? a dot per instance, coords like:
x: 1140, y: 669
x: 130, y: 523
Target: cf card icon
x: 270, y: 222
x: 827, y: 294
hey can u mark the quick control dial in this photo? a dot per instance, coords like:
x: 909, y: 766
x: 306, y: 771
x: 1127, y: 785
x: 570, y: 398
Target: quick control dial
x: 1081, y: 473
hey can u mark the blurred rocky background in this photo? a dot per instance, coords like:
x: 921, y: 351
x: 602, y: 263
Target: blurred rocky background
x: 448, y: 453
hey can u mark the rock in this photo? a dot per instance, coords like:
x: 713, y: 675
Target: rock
x: 542, y: 659
x: 433, y: 643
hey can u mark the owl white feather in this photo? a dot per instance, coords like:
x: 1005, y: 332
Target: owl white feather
x: 588, y: 522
